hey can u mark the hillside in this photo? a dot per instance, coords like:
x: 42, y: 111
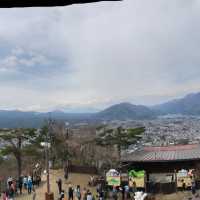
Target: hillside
x: 125, y: 111
x: 189, y: 105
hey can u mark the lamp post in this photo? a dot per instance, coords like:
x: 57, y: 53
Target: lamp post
x: 66, y: 162
x: 47, y: 145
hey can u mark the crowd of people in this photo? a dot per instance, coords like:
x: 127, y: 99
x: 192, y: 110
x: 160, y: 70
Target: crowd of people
x: 17, y: 187
x: 78, y: 193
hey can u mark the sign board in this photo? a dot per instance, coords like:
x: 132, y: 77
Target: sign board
x: 136, y: 178
x: 113, y: 180
x: 113, y: 177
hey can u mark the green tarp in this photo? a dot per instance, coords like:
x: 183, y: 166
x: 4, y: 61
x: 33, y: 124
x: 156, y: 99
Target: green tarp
x: 136, y: 174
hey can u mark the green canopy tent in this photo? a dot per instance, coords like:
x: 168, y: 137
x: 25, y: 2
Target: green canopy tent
x: 43, y: 3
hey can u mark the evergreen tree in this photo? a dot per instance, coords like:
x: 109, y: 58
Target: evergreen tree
x: 122, y: 138
x: 17, y: 142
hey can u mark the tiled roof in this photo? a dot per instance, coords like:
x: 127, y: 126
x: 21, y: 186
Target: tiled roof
x: 170, y: 153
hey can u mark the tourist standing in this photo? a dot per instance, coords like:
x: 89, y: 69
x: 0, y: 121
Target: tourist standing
x: 10, y: 193
x: 20, y: 184
x: 29, y: 185
x: 89, y: 195
x: 25, y: 181
x: 78, y: 192
x: 5, y: 195
x: 84, y: 194
x: 9, y: 181
x: 62, y: 195
x: 183, y: 185
x: 70, y: 193
x: 193, y: 187
x: 126, y: 189
x: 101, y: 195
x: 59, y: 183
x: 114, y: 193
x: 34, y: 194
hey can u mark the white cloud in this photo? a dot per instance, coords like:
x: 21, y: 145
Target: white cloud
x: 134, y: 50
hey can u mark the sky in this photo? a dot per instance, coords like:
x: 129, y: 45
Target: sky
x: 87, y: 57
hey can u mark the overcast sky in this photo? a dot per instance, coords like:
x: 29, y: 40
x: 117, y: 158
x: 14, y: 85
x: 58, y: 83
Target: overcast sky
x: 90, y: 56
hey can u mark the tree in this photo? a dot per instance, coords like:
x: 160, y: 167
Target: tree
x: 17, y: 142
x: 57, y: 135
x: 122, y: 138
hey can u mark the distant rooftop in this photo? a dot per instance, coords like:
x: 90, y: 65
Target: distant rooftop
x: 164, y: 154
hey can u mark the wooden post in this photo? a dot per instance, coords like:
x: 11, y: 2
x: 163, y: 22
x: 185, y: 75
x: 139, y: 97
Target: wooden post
x: 175, y: 174
x: 49, y: 196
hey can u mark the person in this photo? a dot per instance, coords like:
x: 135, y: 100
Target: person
x: 134, y: 187
x: 5, y: 195
x: 34, y: 194
x: 193, y: 187
x: 59, y: 183
x: 66, y: 170
x: 89, y: 195
x: 78, y: 192
x: 114, y: 193
x: 123, y: 192
x: 14, y: 185
x: 70, y: 193
x: 29, y: 185
x: 62, y: 195
x: 91, y: 182
x: 25, y: 181
x: 9, y: 181
x: 10, y: 193
x: 183, y: 185
x: 13, y: 188
x: 20, y: 184
x: 101, y: 195
x: 84, y: 194
x: 100, y: 192
x: 38, y: 180
x: 126, y: 190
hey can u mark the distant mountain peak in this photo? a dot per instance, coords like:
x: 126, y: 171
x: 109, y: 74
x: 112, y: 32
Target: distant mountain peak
x: 188, y: 105
x: 125, y: 110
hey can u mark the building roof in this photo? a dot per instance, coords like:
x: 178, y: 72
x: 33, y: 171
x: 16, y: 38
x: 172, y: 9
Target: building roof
x: 164, y: 154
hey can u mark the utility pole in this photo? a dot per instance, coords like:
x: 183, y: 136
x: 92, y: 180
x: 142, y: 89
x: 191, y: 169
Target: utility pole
x: 46, y: 144
x: 49, y: 194
x: 47, y: 166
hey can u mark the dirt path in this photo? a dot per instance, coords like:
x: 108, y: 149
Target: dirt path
x: 74, y: 179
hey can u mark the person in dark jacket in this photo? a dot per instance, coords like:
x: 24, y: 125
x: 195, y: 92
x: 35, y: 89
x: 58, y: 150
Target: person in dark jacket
x: 20, y: 184
x: 59, y: 183
x: 70, y: 193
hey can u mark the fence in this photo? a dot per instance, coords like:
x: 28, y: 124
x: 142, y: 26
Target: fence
x: 164, y: 188
x: 83, y: 169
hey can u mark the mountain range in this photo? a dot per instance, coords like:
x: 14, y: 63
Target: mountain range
x: 188, y: 105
